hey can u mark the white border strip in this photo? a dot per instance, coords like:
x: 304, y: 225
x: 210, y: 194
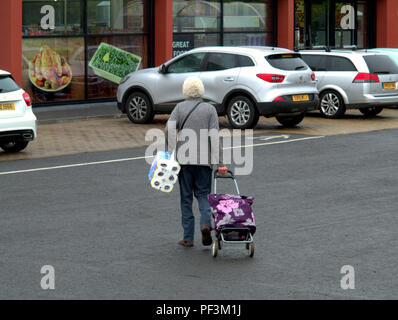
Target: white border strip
x: 143, y: 157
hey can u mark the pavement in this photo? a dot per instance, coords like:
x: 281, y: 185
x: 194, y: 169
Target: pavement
x: 73, y: 129
x: 73, y: 112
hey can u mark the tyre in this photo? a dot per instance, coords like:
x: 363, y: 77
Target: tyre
x: 290, y: 121
x: 139, y: 108
x: 14, y: 146
x: 331, y: 104
x: 242, y: 113
x: 214, y: 248
x: 251, y: 249
x: 371, y: 111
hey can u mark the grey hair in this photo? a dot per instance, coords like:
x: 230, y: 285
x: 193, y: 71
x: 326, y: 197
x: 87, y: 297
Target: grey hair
x: 193, y: 88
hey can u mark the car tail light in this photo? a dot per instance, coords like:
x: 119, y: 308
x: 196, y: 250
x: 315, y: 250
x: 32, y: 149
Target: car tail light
x: 278, y: 99
x: 363, y: 77
x: 313, y: 78
x: 275, y: 78
x: 27, y: 99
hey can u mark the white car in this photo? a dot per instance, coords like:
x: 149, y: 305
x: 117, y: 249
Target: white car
x: 17, y: 121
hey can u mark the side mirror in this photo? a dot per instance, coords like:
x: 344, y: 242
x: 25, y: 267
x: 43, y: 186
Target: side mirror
x: 163, y: 69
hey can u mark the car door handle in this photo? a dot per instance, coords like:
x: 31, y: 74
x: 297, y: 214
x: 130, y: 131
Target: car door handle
x: 229, y: 79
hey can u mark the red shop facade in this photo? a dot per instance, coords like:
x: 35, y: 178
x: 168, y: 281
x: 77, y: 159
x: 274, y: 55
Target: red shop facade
x: 80, y: 37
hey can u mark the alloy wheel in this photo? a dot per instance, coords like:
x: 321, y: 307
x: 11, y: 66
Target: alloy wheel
x: 330, y: 104
x: 240, y: 112
x: 138, y: 108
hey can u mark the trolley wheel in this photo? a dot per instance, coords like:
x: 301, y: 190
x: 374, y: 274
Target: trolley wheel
x: 250, y: 247
x: 214, y: 248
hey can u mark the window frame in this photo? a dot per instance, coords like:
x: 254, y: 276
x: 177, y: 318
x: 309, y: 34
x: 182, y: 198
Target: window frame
x: 149, y: 16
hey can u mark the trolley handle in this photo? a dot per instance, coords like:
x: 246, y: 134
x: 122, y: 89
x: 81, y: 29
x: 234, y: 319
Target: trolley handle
x: 229, y: 175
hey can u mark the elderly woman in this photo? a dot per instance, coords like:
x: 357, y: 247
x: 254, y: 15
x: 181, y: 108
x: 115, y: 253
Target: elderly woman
x: 197, y: 118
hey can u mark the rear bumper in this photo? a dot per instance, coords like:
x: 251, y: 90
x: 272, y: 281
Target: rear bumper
x: 17, y: 135
x: 288, y: 106
x: 374, y: 100
x: 20, y: 128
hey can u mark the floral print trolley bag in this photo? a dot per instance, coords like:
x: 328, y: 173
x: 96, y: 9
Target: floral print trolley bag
x: 233, y: 217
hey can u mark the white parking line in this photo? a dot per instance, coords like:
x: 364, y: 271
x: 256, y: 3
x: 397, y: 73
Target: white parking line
x: 143, y: 157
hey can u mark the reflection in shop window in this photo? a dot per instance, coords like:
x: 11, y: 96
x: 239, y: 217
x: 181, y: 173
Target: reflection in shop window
x: 196, y: 16
x: 52, y: 17
x: 115, y: 16
x: 247, y: 15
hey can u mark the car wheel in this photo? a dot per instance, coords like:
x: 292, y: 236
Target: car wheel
x: 331, y: 104
x: 242, y: 113
x: 14, y: 146
x: 371, y: 111
x: 139, y: 108
x: 290, y: 121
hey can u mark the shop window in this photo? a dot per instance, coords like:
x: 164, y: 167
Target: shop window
x: 196, y: 16
x: 53, y: 68
x: 41, y: 18
x: 248, y: 39
x: 116, y: 16
x: 222, y: 22
x: 254, y: 15
x: 111, y: 58
x: 64, y: 58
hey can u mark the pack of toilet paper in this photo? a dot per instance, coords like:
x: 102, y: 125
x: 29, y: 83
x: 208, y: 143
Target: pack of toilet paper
x: 163, y: 173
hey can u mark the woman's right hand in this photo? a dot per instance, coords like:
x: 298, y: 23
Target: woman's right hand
x: 222, y: 170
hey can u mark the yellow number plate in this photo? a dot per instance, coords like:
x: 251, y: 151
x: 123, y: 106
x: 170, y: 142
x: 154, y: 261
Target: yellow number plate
x: 301, y: 97
x: 7, y: 106
x: 389, y: 85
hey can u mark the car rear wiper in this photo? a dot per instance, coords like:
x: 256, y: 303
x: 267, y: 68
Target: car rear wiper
x: 300, y: 67
x: 382, y: 72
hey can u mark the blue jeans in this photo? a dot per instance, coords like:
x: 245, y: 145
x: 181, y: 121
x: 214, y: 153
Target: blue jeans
x: 194, y: 180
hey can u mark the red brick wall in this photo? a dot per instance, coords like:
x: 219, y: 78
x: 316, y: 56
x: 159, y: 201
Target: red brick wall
x: 11, y: 38
x: 286, y: 24
x: 387, y: 23
x: 163, y: 31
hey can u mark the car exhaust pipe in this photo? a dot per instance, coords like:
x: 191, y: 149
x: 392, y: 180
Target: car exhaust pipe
x: 27, y: 136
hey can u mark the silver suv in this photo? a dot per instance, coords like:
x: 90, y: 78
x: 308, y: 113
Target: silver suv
x: 353, y: 80
x: 241, y: 82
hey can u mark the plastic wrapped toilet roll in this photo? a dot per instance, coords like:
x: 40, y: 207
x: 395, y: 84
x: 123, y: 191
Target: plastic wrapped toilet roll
x: 167, y: 187
x: 171, y: 178
x: 160, y: 173
x: 163, y: 173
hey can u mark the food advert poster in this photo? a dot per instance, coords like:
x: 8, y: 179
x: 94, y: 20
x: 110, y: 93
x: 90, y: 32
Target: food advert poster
x: 53, y: 69
x: 109, y: 60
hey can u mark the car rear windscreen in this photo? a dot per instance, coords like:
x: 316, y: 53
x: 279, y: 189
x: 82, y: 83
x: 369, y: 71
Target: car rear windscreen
x: 381, y: 64
x: 288, y: 61
x: 7, y: 84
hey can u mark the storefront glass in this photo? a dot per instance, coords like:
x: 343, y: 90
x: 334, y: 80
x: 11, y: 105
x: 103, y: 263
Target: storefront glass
x: 222, y: 22
x: 115, y: 16
x: 66, y: 57
x: 331, y: 23
x: 53, y: 68
x: 98, y: 83
x: 52, y: 17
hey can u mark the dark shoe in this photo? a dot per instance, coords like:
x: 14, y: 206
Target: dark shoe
x: 185, y: 243
x: 206, y: 236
